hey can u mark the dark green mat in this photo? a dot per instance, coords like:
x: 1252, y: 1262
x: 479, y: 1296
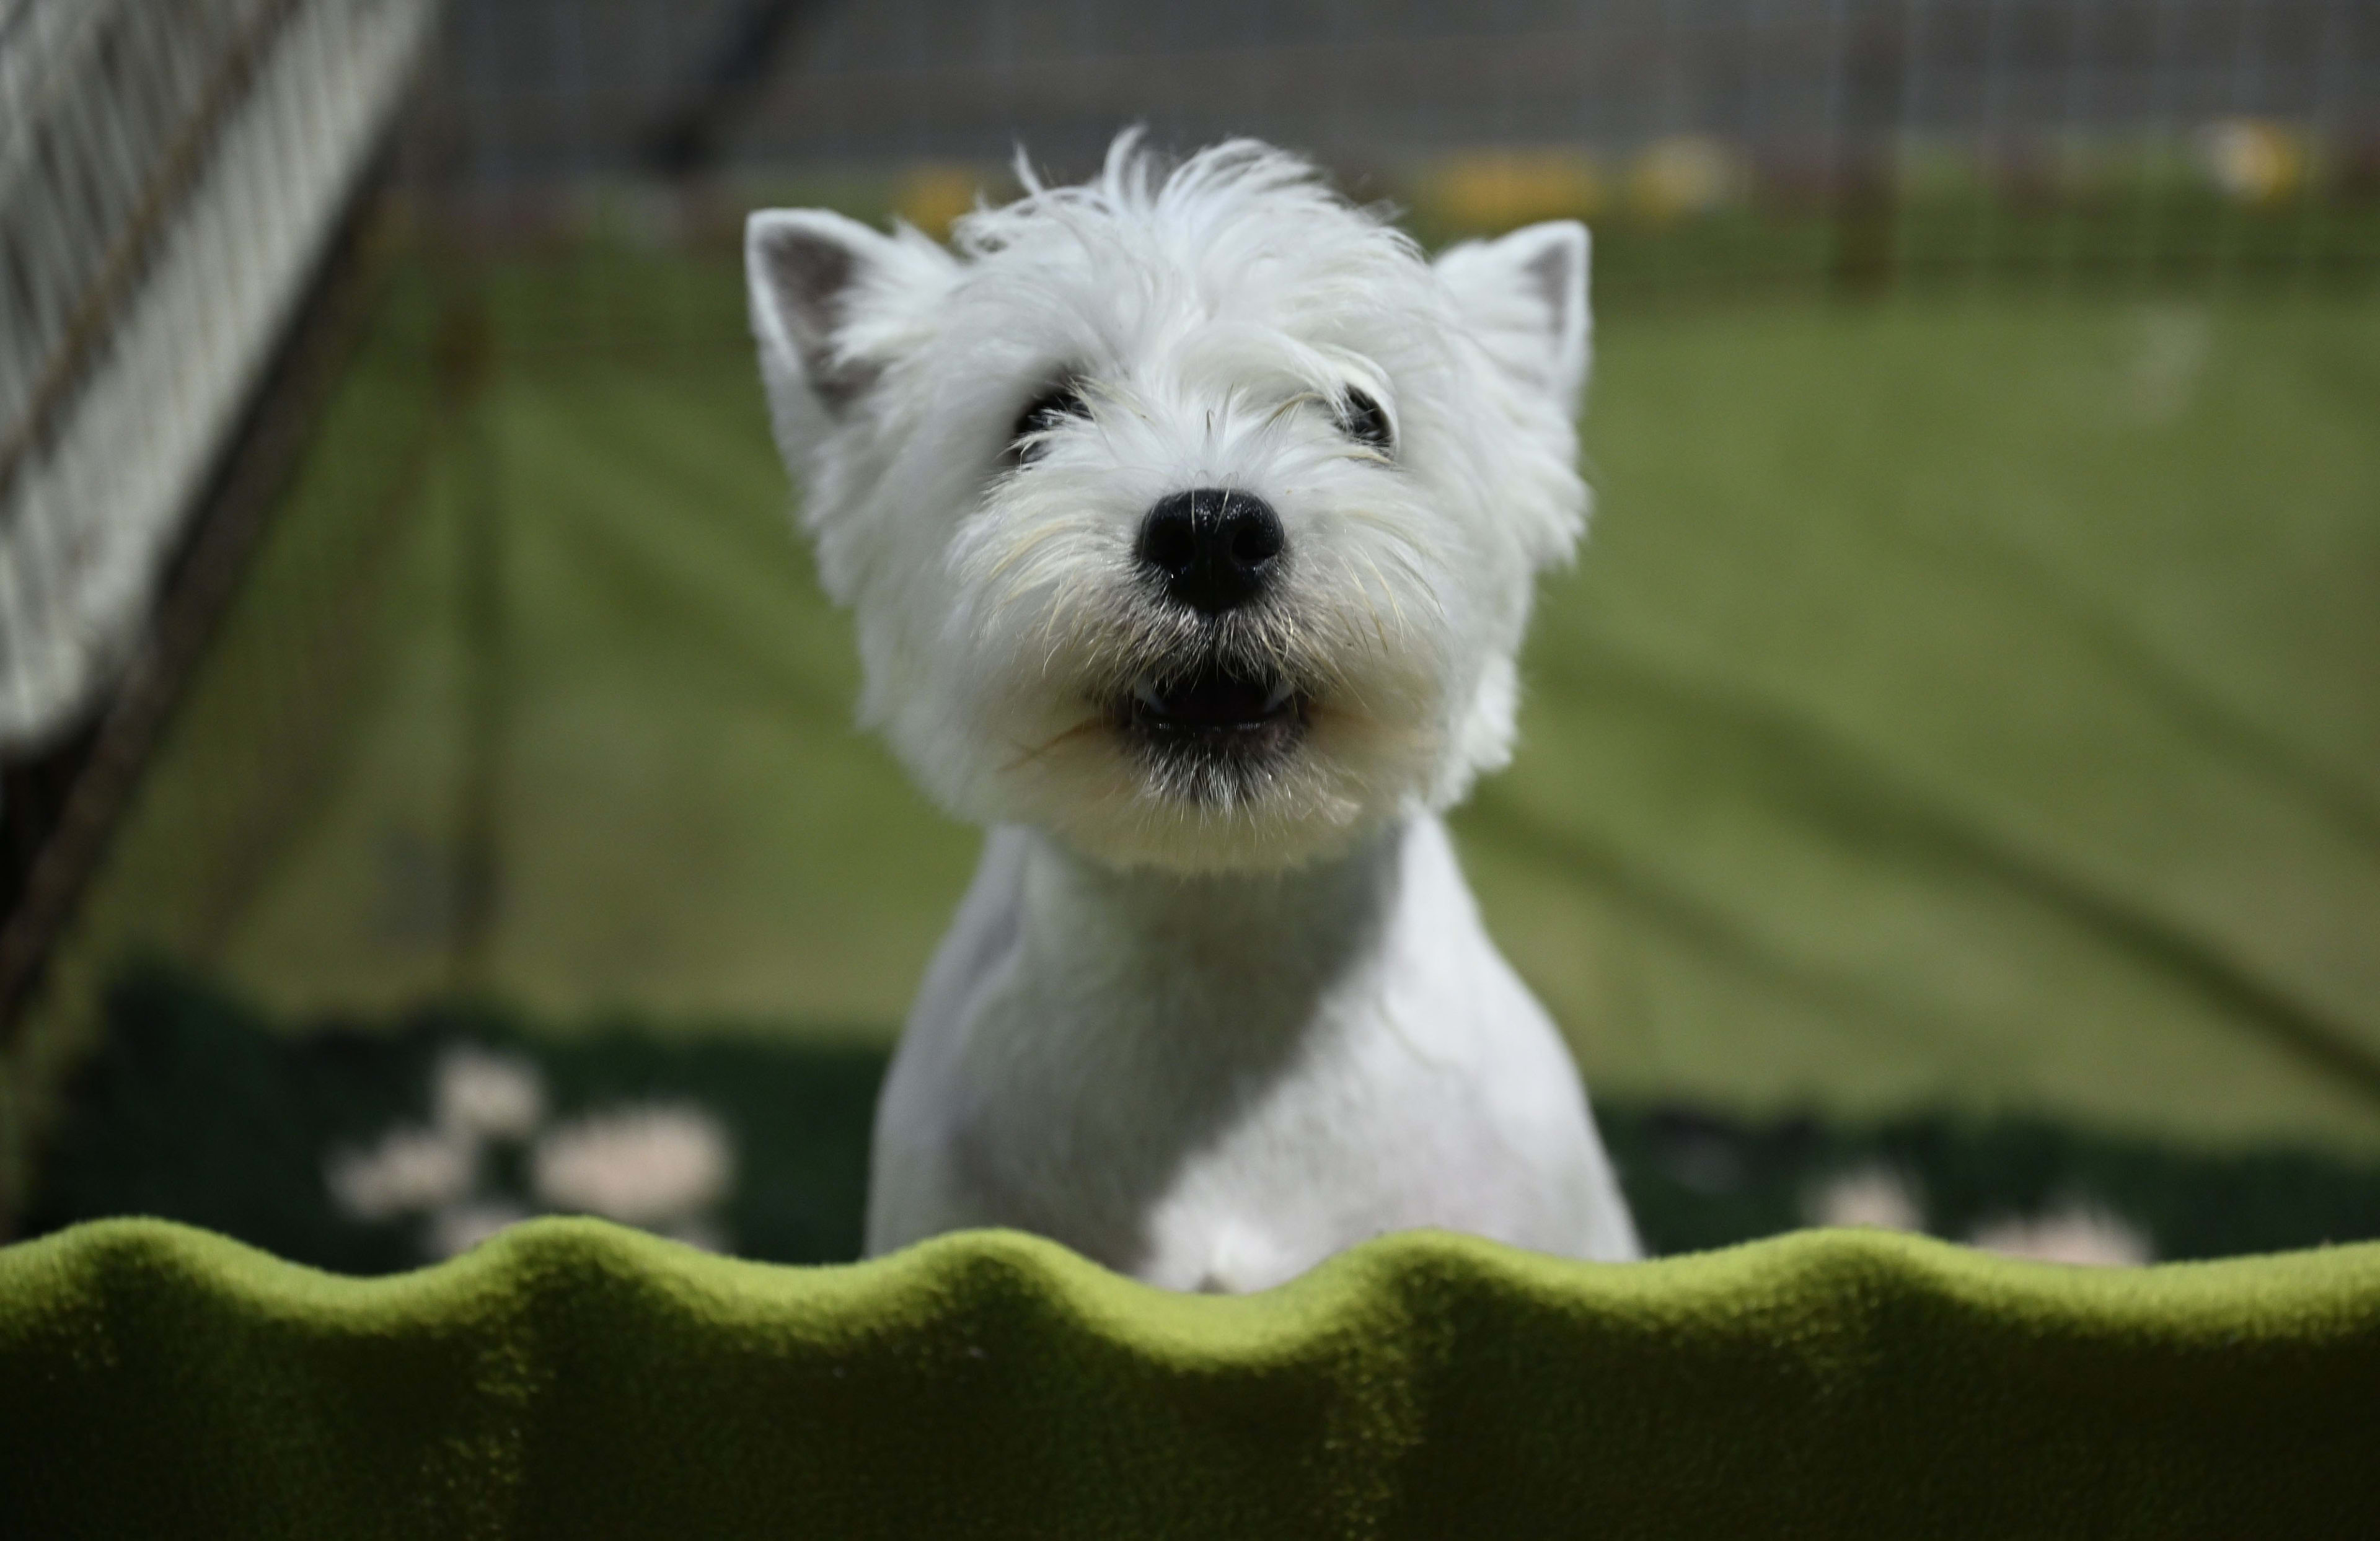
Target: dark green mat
x: 576, y: 1379
x: 200, y: 1109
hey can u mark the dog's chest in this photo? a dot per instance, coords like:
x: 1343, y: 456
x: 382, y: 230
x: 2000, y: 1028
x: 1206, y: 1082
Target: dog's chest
x: 1220, y: 1106
x: 1223, y: 1135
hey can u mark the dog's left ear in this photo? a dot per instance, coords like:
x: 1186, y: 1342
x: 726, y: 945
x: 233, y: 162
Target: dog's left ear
x: 1524, y: 296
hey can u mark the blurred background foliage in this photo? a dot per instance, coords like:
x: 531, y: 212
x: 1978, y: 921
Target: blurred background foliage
x: 1957, y: 747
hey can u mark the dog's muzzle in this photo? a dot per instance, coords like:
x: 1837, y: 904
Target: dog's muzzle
x: 1215, y: 551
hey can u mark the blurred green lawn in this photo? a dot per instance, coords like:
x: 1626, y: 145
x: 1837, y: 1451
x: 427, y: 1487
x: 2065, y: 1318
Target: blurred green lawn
x: 1969, y: 701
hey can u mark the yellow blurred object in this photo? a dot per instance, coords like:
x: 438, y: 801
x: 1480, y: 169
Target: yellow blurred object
x: 1685, y: 175
x: 2252, y: 160
x: 1498, y: 189
x: 935, y: 194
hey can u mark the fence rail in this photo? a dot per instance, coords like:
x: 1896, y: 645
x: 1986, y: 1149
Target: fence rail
x: 168, y: 177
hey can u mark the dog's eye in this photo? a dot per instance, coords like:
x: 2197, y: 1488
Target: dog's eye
x: 1361, y: 419
x: 1044, y: 412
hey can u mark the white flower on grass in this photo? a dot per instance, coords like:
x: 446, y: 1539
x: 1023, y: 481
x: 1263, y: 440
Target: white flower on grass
x: 490, y: 1094
x: 661, y: 1166
x: 1875, y: 1197
x: 653, y: 1165
x: 2071, y: 1233
x: 410, y: 1169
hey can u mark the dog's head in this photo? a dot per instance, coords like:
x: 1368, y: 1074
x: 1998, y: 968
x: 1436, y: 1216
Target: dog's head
x: 1190, y: 515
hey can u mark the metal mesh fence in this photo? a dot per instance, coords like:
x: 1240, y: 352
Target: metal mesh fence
x: 2141, y: 138
x: 169, y: 177
x: 572, y: 87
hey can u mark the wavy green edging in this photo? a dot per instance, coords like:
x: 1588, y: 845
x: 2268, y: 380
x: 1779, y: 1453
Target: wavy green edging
x: 574, y: 1378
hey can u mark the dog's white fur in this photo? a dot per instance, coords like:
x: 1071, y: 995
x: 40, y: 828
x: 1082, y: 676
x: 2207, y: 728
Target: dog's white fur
x: 1206, y: 1021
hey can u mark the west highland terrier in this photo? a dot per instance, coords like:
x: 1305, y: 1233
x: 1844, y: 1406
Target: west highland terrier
x: 1190, y: 519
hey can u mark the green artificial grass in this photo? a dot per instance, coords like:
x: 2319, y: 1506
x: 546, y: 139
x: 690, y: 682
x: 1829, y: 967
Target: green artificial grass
x: 575, y: 1379
x: 1977, y: 700
x: 1965, y: 701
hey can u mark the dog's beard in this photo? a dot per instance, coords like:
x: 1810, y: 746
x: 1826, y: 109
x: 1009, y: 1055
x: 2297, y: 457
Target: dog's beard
x: 1212, y: 709
x: 1257, y: 737
x: 1213, y: 732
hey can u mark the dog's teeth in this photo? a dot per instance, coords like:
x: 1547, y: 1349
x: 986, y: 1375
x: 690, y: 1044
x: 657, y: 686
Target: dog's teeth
x: 1279, y: 697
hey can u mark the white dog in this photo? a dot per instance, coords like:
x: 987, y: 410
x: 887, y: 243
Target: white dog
x: 1190, y: 521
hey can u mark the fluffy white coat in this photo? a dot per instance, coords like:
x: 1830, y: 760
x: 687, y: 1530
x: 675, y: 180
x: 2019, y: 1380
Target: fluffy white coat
x: 1204, y: 1017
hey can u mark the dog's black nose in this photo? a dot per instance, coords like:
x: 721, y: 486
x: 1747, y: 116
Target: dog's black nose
x: 1215, y: 549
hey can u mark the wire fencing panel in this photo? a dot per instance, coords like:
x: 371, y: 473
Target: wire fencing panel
x: 1717, y: 142
x: 168, y: 178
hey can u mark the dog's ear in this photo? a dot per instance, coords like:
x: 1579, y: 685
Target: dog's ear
x: 1524, y: 296
x: 806, y: 267
x: 821, y: 286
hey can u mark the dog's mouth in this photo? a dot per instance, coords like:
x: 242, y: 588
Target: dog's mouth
x: 1215, y: 712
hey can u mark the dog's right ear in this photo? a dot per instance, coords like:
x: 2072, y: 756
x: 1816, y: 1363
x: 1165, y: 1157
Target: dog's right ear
x: 816, y: 282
